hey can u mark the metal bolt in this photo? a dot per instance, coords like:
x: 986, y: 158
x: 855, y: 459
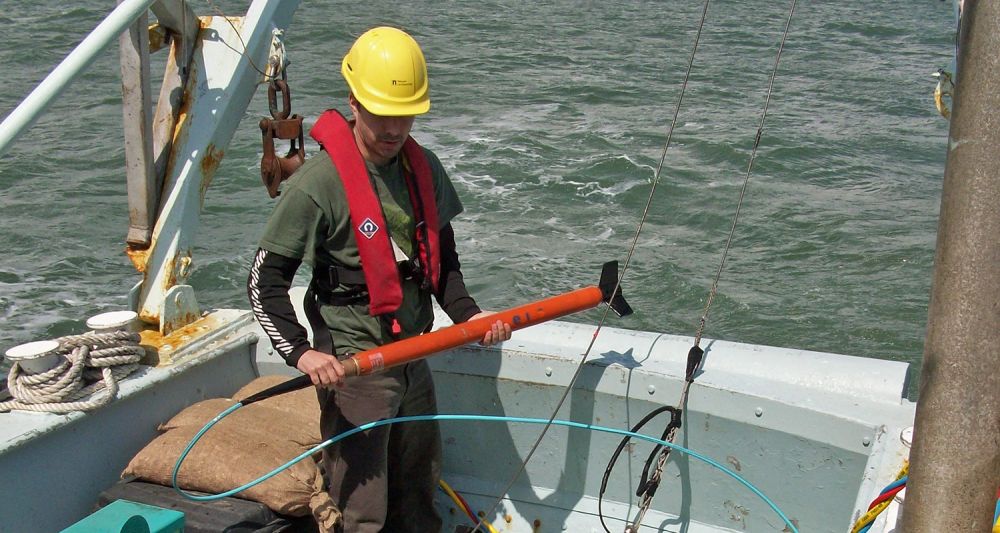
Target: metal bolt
x: 548, y: 371
x: 759, y: 412
x: 651, y: 389
x: 184, y: 267
x: 866, y: 441
x: 907, y: 436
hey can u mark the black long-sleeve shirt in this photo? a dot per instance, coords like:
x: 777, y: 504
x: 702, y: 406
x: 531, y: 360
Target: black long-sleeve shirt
x: 271, y: 276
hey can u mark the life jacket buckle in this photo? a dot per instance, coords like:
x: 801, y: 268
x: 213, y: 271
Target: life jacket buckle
x: 413, y: 269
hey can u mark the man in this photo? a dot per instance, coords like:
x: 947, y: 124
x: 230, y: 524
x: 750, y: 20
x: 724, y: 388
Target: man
x: 371, y: 216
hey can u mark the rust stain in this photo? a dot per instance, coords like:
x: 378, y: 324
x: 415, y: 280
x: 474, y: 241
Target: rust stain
x: 209, y: 164
x: 160, y: 348
x: 176, y: 269
x: 138, y: 257
x: 737, y: 512
x: 158, y: 37
x: 171, y: 269
x: 180, y: 125
x: 148, y: 318
x: 179, y: 322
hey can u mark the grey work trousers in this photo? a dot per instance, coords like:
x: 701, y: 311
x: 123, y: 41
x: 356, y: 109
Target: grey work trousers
x: 384, y: 479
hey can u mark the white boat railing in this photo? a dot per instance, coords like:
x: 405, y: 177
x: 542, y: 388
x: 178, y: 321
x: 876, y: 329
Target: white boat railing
x: 33, y: 105
x: 170, y: 158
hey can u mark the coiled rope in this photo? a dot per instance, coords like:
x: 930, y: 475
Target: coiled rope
x: 90, y: 363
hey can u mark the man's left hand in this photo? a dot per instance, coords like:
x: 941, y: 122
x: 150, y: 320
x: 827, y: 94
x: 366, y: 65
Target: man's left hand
x: 498, y: 332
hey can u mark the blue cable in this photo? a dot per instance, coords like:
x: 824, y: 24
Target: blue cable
x: 894, y: 484
x: 484, y: 418
x: 890, y: 486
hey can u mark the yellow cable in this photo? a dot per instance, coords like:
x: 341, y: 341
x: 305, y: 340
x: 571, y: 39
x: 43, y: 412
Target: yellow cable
x: 870, y: 516
x: 875, y: 511
x: 458, y: 501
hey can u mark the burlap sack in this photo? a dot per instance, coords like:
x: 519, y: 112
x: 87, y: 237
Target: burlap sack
x: 258, y: 415
x: 301, y: 405
x: 248, y: 443
x: 228, y: 457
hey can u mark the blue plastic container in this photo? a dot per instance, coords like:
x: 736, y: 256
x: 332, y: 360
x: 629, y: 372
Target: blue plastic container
x: 123, y: 516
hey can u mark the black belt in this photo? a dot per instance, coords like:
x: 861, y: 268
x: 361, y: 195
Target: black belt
x: 327, y: 279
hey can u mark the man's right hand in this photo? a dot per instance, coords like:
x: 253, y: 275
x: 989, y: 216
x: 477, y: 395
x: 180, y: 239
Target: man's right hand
x: 324, y: 369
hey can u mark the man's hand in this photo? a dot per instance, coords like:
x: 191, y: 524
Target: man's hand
x: 324, y: 369
x: 499, y: 332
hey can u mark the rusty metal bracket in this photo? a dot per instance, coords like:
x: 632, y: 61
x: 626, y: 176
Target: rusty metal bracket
x: 284, y: 126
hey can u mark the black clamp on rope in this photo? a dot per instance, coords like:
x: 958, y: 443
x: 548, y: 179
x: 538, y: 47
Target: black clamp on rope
x: 647, y: 486
x: 693, y: 362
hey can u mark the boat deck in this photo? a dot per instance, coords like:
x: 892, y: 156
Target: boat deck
x: 804, y: 427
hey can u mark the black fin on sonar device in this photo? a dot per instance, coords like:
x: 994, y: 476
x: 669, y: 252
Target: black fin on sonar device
x: 609, y: 281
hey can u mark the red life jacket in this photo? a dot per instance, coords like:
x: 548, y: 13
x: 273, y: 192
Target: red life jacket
x: 378, y: 262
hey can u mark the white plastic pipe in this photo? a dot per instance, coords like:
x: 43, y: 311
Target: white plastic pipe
x: 25, y: 114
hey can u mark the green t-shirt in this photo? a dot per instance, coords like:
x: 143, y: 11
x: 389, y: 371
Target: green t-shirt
x: 312, y: 222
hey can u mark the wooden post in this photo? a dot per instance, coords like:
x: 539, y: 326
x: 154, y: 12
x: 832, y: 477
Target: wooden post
x: 956, y: 449
x: 142, y: 185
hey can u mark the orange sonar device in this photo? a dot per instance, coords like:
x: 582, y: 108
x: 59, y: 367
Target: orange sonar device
x: 413, y: 348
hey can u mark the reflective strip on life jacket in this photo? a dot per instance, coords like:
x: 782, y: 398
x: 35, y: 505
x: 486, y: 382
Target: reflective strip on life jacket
x: 371, y: 232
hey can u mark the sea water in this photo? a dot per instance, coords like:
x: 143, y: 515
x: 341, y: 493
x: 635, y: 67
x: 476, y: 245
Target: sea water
x: 551, y: 118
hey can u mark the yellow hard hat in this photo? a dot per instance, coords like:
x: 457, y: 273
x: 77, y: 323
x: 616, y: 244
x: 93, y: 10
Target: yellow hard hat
x: 386, y: 71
